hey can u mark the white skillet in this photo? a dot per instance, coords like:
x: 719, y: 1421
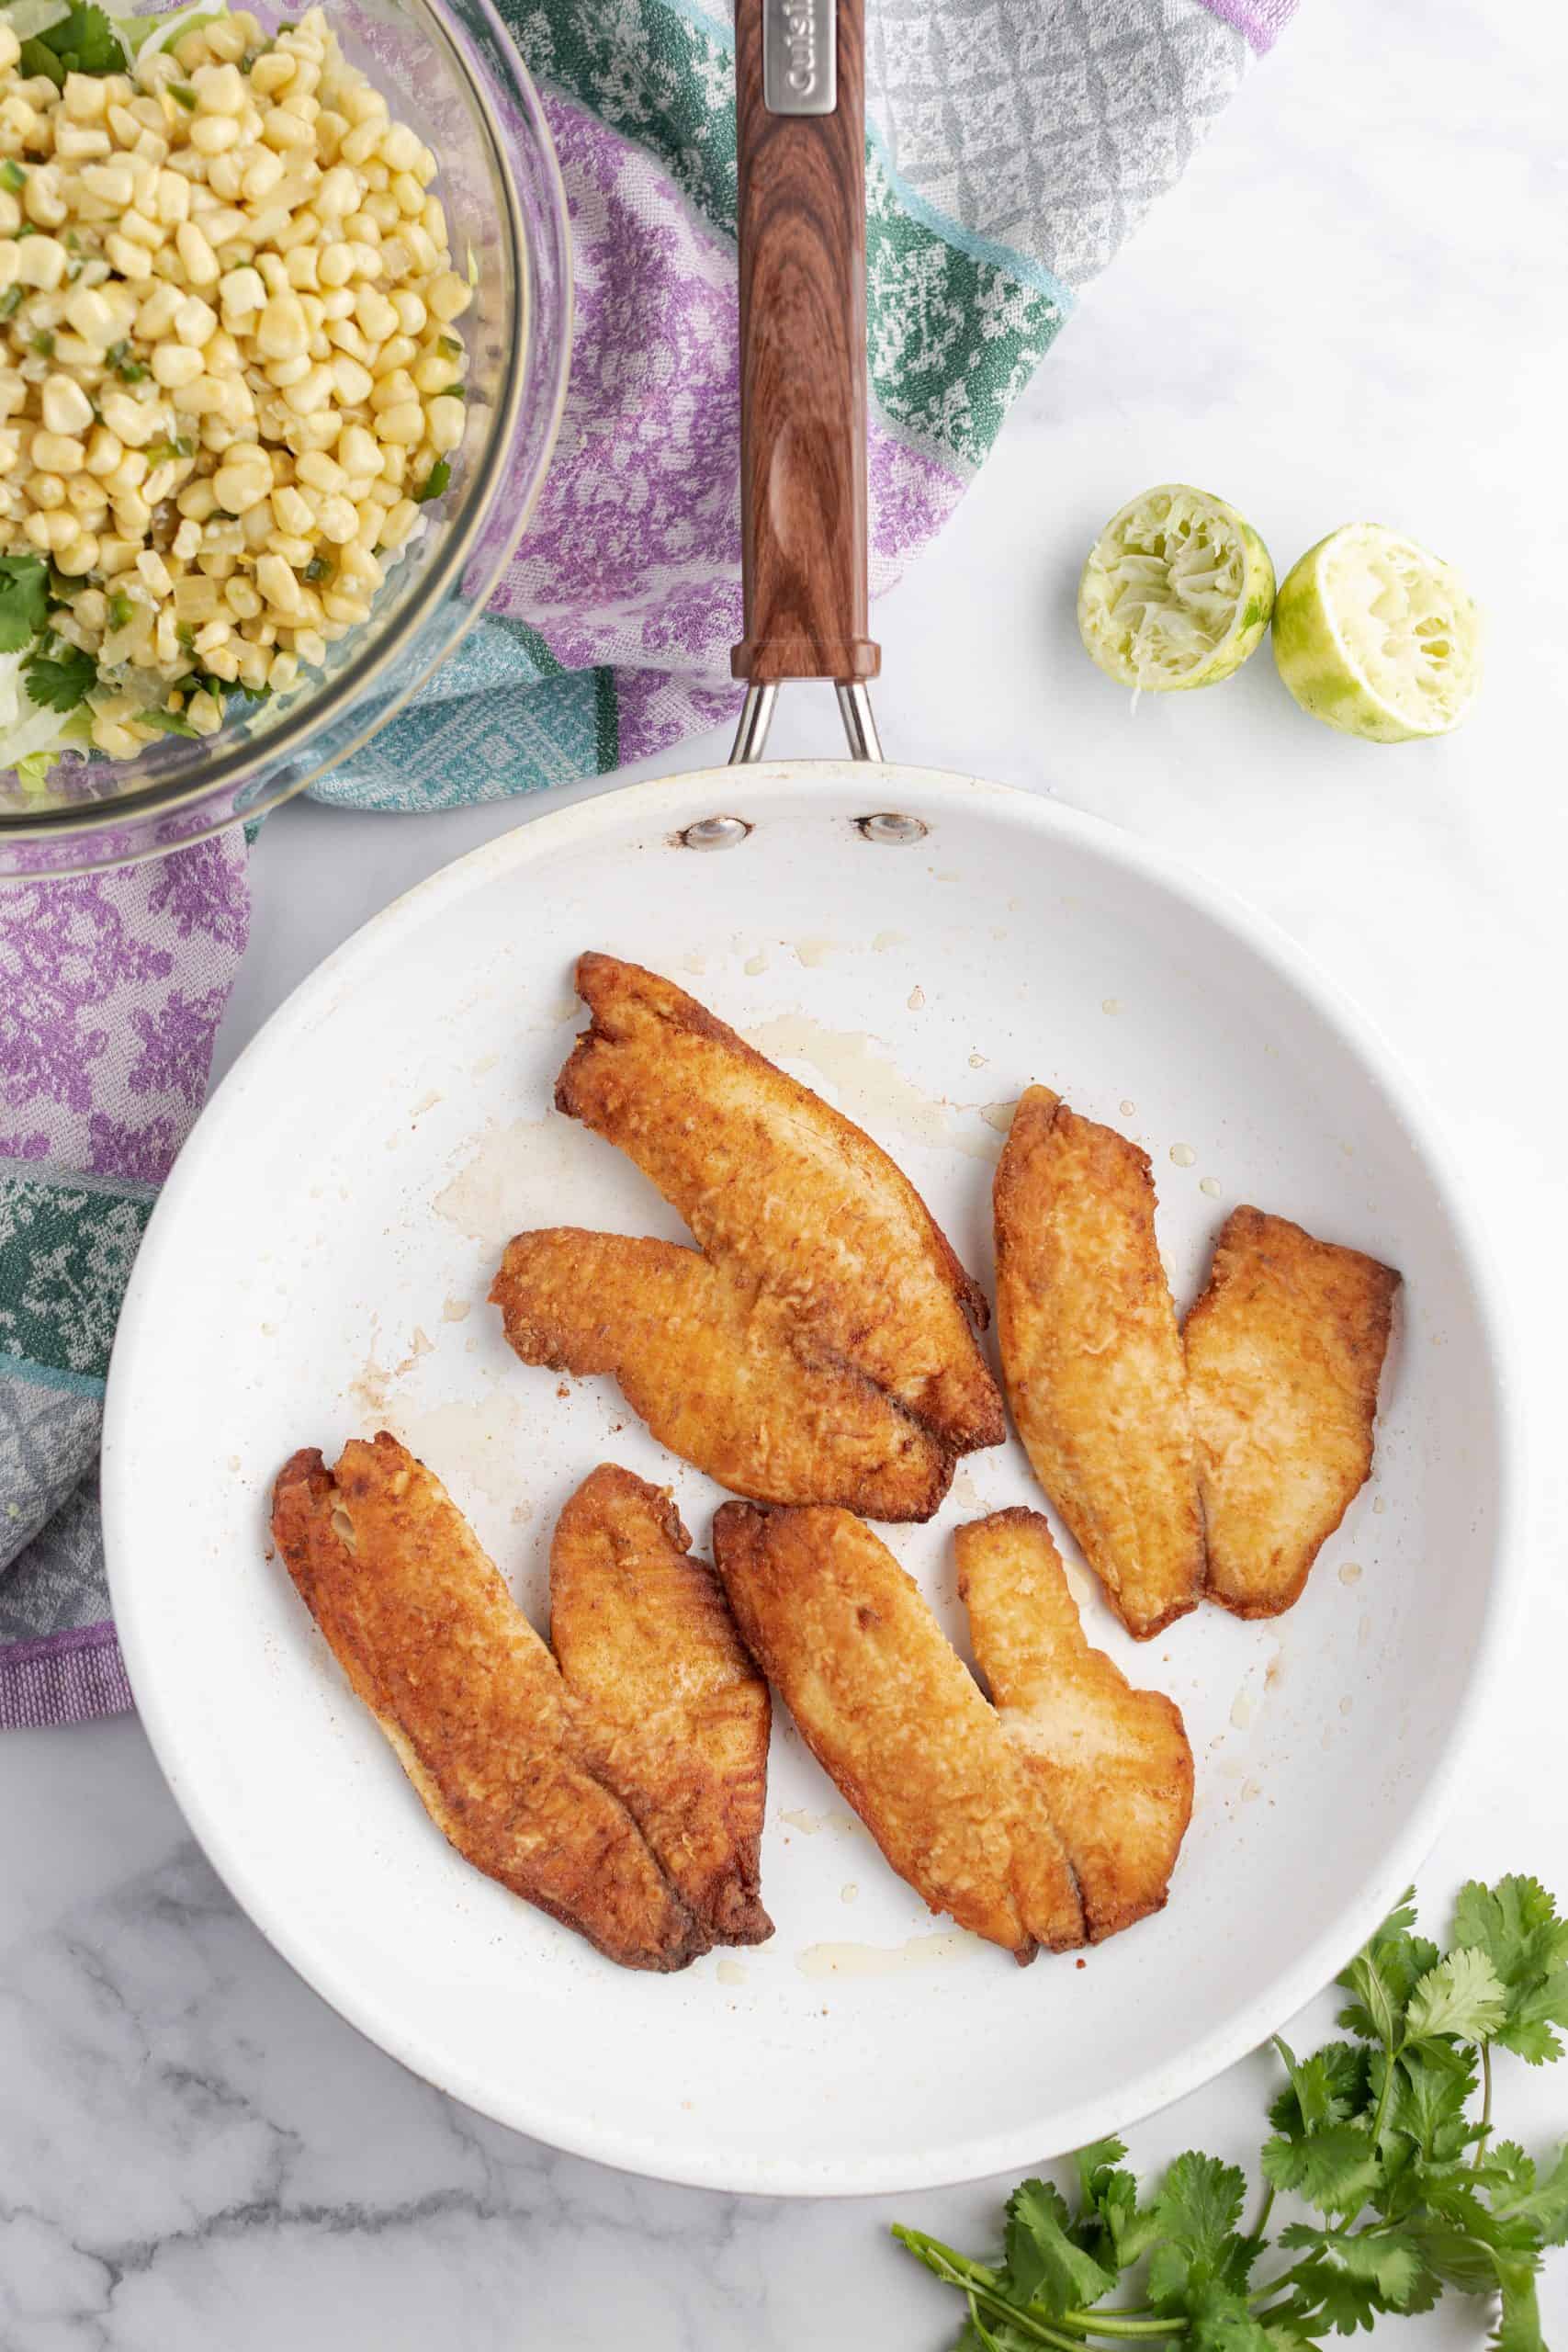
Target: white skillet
x: 317, y: 1267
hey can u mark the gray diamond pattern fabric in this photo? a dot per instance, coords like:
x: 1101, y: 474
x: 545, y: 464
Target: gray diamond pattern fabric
x: 1049, y: 126
x: 48, y: 1438
x: 65, y: 1585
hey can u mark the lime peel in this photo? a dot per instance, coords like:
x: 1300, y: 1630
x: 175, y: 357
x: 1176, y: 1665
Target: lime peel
x: 1176, y: 592
x: 1378, y: 637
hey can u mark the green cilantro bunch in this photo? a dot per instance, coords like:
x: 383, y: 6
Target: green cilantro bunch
x: 1409, y: 2190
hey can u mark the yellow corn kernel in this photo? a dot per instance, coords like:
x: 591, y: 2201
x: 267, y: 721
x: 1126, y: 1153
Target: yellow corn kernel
x: 401, y: 520
x: 277, y: 583
x: 58, y: 453
x: 188, y: 540
x: 282, y: 671
x: 310, y: 393
x: 240, y: 488
x: 338, y: 521
x: 79, y: 555
x: 198, y: 398
x: 43, y: 201
x: 202, y: 709
x: 447, y: 296
x: 393, y: 391
x: 200, y: 260
x: 291, y: 513
x: 445, y: 422
x: 171, y: 199
x: 52, y: 525
x: 76, y: 142
x: 402, y: 426
x: 196, y: 321
x: 132, y: 515
x: 132, y: 261
x: 281, y: 331
x: 155, y: 314
x: 241, y: 596
x: 357, y: 455
x: 41, y: 262
x: 220, y: 89
x: 64, y: 405
x: 175, y: 364
x: 214, y: 135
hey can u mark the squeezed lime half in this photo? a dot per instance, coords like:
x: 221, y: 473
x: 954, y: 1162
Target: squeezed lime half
x: 1378, y: 637
x: 1176, y: 591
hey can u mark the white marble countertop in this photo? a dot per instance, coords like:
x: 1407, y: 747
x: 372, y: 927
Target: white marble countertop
x: 1351, y: 307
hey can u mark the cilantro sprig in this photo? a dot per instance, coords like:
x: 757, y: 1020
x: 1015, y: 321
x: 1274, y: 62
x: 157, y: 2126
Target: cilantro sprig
x: 1408, y: 2190
x: 83, y: 41
x: 24, y: 600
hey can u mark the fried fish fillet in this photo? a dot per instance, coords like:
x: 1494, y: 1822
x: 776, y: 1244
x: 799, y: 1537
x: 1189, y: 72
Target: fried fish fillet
x: 670, y: 1706
x: 895, y: 1718
x: 469, y: 1697
x: 1112, y: 1764
x: 1091, y: 1356
x: 1284, y: 1352
x: 779, y: 1187
x: 714, y: 1370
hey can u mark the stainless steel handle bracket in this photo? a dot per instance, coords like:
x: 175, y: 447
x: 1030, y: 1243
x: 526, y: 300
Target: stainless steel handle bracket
x: 756, y: 717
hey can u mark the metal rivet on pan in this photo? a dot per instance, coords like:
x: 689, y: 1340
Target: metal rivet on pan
x: 890, y: 827
x: 714, y: 832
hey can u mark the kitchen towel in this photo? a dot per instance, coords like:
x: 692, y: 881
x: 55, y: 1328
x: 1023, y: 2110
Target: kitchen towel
x: 1012, y: 146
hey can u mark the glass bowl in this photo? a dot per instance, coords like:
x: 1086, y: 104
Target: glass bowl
x: 449, y: 68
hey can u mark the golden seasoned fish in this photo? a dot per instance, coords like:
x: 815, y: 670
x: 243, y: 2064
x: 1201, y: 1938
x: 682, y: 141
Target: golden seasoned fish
x: 669, y: 1704
x: 895, y: 1719
x: 715, y: 1372
x: 1284, y: 1353
x: 1112, y: 1764
x: 1092, y: 1357
x: 786, y: 1193
x: 469, y: 1697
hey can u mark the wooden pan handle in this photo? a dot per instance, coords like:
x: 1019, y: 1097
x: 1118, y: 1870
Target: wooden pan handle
x: 802, y: 232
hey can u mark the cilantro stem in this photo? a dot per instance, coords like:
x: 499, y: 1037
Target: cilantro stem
x: 1263, y: 2210
x: 1485, y: 2103
x: 1099, y: 2323
x: 1391, y: 2056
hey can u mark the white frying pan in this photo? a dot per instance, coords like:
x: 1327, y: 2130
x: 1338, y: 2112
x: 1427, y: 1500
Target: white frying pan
x: 917, y: 946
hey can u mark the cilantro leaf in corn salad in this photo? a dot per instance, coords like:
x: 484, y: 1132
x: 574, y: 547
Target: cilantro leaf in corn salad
x: 231, y: 372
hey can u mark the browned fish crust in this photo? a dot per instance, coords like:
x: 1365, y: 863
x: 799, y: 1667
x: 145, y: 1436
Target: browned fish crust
x: 1112, y: 1764
x: 470, y: 1699
x: 665, y: 1697
x: 715, y: 1371
x: 895, y: 1718
x: 1092, y: 1359
x: 785, y: 1192
x: 1284, y: 1353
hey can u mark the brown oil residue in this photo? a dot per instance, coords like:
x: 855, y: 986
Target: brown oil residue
x: 869, y: 1084
x: 888, y: 1960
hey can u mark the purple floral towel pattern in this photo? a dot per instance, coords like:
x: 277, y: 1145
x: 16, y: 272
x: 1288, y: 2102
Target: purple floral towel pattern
x: 110, y: 994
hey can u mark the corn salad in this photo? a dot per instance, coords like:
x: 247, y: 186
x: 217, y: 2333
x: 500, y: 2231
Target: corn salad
x: 230, y: 368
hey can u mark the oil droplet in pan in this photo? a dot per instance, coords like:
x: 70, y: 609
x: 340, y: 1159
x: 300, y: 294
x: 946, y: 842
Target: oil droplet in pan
x: 1182, y: 1155
x: 1210, y: 1185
